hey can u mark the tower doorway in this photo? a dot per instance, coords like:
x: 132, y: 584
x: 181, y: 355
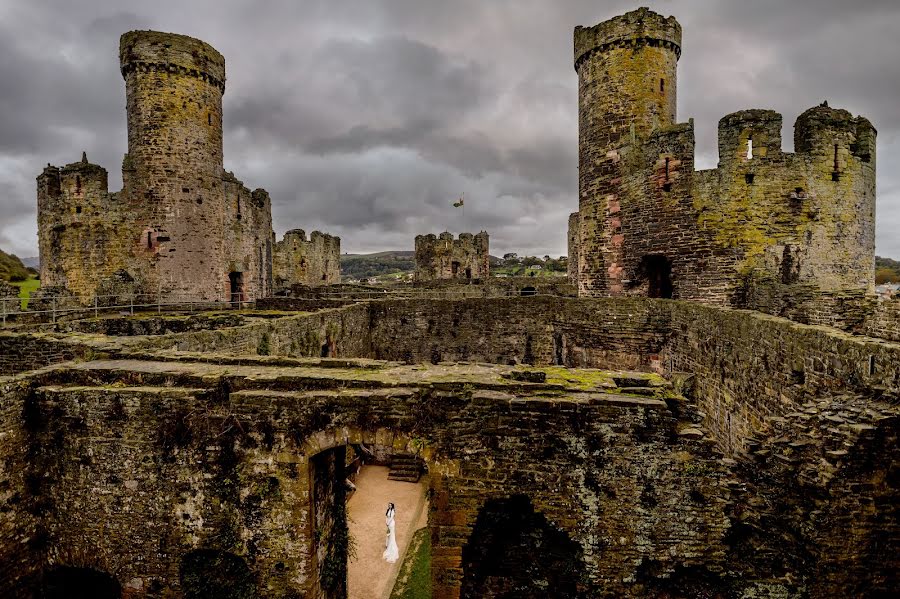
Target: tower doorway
x: 236, y: 287
x: 657, y: 271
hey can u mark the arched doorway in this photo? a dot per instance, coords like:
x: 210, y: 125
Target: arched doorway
x: 514, y: 552
x: 67, y: 582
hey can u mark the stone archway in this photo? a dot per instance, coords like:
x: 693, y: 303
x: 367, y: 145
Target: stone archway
x: 514, y: 552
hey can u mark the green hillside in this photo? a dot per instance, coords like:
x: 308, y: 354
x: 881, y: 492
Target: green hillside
x: 11, y: 268
x: 886, y: 270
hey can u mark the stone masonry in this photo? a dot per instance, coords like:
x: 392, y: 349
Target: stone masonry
x: 313, y: 262
x: 181, y: 225
x: 649, y: 224
x: 444, y: 257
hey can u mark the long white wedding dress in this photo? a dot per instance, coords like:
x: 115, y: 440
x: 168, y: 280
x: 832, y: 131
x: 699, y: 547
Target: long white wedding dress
x: 391, y: 553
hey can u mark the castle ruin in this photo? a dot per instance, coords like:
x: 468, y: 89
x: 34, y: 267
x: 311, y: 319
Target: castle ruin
x: 585, y: 447
x: 311, y: 262
x: 764, y: 225
x: 181, y: 226
x: 444, y: 257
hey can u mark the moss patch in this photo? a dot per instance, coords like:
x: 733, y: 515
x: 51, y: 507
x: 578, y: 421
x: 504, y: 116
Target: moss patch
x: 414, y: 579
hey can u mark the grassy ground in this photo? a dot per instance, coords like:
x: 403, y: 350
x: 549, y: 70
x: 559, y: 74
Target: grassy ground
x: 414, y: 579
x: 25, y: 289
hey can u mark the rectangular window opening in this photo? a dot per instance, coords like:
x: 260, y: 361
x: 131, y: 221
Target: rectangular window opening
x: 750, y: 148
x: 749, y: 178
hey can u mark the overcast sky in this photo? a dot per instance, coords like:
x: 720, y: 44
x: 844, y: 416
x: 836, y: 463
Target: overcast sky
x: 368, y: 118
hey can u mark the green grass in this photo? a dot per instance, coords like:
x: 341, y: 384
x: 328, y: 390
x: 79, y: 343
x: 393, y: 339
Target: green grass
x: 414, y: 579
x: 26, y: 288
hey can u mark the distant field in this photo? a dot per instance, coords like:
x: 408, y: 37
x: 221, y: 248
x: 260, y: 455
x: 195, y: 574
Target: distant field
x: 26, y: 288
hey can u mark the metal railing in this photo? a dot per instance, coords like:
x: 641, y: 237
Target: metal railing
x: 55, y: 307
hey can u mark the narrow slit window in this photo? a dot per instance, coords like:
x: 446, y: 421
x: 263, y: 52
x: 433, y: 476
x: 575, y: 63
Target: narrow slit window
x: 750, y: 148
x: 77, y: 184
x: 77, y: 209
x: 149, y: 240
x: 209, y: 119
x: 662, y: 86
x: 836, y: 169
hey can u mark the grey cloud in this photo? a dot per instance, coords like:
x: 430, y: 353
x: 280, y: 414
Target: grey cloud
x: 367, y: 118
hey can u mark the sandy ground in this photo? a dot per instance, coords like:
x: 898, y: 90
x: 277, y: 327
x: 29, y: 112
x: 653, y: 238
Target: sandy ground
x: 369, y: 576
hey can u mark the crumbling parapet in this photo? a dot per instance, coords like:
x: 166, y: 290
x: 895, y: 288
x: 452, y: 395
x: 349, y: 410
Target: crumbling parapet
x: 443, y: 257
x: 313, y: 262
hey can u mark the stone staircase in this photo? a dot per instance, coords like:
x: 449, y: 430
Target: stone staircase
x: 405, y: 467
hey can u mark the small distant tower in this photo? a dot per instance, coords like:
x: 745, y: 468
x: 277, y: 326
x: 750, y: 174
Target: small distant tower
x: 626, y: 89
x: 173, y: 169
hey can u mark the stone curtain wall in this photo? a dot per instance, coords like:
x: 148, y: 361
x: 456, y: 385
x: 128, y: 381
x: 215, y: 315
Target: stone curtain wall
x: 529, y: 330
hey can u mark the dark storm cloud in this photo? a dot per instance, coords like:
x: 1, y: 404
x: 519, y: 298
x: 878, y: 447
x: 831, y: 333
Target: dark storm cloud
x: 368, y: 118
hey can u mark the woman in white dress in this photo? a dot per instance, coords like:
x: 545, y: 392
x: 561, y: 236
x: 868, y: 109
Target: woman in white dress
x: 391, y: 553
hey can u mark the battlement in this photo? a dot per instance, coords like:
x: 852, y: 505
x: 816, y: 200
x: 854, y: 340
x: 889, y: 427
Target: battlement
x: 147, y: 51
x: 635, y: 28
x: 749, y: 134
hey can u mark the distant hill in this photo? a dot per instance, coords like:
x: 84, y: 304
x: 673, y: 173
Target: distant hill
x: 363, y: 266
x: 32, y: 262
x: 11, y: 268
x: 886, y: 270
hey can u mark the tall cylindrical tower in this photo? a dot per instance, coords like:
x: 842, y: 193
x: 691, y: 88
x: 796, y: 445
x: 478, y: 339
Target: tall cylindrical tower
x: 626, y: 89
x: 173, y: 169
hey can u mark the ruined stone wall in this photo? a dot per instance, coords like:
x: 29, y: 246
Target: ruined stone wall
x: 248, y: 246
x: 650, y: 225
x: 884, y: 321
x: 313, y: 263
x: 213, y: 470
x: 22, y: 537
x: 444, y: 257
x: 337, y: 332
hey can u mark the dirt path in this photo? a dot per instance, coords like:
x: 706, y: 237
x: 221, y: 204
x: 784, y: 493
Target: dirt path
x: 369, y: 576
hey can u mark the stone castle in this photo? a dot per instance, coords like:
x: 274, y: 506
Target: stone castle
x: 443, y: 257
x: 573, y: 447
x: 181, y: 226
x: 765, y: 224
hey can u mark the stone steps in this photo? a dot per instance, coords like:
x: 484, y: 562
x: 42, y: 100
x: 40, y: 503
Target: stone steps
x: 405, y: 467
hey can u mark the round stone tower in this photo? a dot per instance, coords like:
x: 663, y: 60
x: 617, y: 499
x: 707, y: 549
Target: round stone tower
x: 626, y: 89
x: 173, y: 170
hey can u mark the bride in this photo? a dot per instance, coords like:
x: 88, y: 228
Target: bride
x: 391, y: 553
